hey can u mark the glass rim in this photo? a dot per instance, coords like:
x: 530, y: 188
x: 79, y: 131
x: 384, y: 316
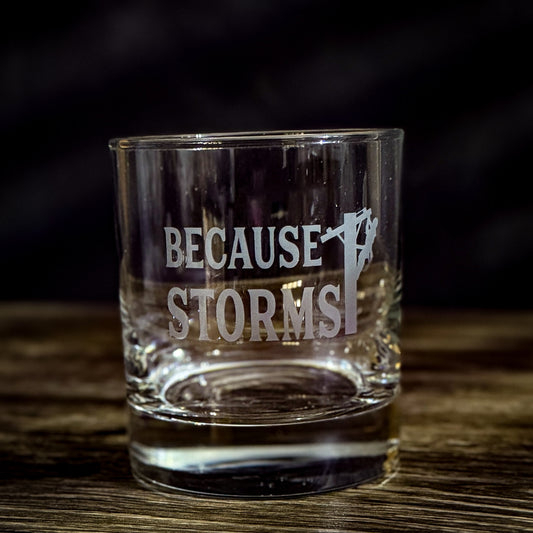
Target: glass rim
x: 253, y: 138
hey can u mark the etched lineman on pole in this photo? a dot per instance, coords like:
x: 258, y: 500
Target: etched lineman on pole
x: 184, y: 250
x: 356, y: 254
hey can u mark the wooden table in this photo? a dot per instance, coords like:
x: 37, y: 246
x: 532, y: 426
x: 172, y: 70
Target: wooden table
x: 466, y: 453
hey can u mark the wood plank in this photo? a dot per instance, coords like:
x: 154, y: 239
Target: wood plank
x: 466, y: 453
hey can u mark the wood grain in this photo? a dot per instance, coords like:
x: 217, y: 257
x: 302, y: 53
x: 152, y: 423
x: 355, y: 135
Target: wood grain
x: 466, y: 453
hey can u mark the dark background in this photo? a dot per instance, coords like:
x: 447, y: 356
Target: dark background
x: 456, y: 76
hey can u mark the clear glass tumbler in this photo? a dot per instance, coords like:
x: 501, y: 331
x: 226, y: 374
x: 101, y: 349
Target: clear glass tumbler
x: 259, y: 292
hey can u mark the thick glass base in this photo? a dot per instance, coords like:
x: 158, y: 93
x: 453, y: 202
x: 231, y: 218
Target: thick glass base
x: 264, y: 461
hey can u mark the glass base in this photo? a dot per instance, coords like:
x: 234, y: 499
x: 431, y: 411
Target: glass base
x: 264, y: 461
